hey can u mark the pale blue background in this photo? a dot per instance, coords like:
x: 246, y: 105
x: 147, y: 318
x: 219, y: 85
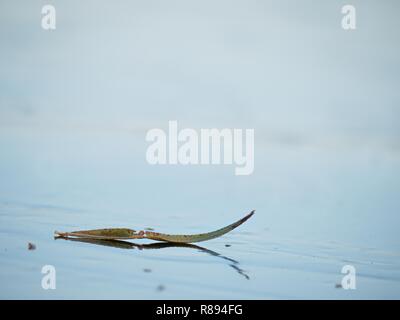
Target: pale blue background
x: 76, y: 103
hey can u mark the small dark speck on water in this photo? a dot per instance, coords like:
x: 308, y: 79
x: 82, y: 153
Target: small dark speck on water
x: 338, y: 285
x: 147, y: 270
x: 227, y: 245
x: 31, y: 246
x: 160, y: 288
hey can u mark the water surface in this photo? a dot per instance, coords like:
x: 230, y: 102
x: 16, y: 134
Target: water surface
x: 76, y: 104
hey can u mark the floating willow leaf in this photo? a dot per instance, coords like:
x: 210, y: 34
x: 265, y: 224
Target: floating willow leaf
x: 124, y: 233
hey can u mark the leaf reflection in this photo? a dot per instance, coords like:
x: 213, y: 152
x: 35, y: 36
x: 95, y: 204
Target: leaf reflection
x: 159, y: 245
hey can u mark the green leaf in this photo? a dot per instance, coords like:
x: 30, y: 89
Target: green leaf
x: 125, y: 233
x: 189, y: 238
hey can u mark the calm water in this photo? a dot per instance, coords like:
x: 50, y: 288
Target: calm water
x: 309, y: 223
x: 75, y: 106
